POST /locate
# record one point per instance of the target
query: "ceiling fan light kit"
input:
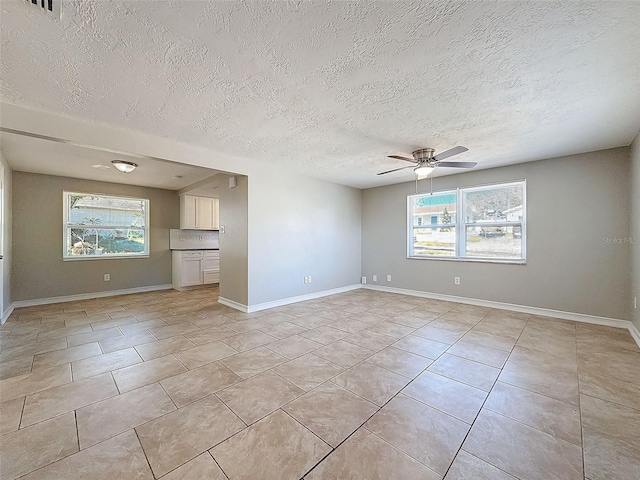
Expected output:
(424, 161)
(124, 166)
(423, 171)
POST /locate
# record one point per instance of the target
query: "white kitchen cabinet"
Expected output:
(211, 260)
(194, 267)
(211, 267)
(186, 268)
(210, 276)
(199, 213)
(188, 210)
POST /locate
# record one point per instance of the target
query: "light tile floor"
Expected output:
(361, 385)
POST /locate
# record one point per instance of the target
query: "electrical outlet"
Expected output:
(388, 278)
(363, 280)
(107, 277)
(456, 280)
(375, 278)
(221, 230)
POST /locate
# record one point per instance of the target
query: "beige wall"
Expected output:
(233, 242)
(299, 226)
(635, 229)
(573, 204)
(280, 250)
(6, 237)
(38, 269)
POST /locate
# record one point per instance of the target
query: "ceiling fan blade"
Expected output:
(397, 157)
(395, 170)
(456, 164)
(450, 153)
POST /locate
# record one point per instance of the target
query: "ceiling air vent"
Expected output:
(50, 6)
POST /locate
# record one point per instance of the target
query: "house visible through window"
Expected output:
(478, 223)
(103, 226)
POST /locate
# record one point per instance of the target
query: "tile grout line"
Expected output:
(530, 426)
(611, 401)
(62, 458)
(402, 451)
(542, 394)
(142, 448)
(114, 380)
(400, 392)
(331, 448)
(24, 403)
(494, 466)
(215, 394)
(219, 466)
(75, 420)
(482, 406)
(381, 407)
(304, 426)
(365, 360)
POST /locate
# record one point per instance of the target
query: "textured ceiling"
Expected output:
(331, 88)
(37, 155)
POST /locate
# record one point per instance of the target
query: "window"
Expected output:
(479, 223)
(103, 226)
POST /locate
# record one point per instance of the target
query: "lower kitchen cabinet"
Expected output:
(211, 267)
(194, 267)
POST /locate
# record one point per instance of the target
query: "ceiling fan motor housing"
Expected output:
(423, 155)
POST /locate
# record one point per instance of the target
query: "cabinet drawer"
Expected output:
(192, 255)
(211, 260)
(211, 264)
(211, 276)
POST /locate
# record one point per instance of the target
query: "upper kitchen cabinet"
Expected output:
(199, 213)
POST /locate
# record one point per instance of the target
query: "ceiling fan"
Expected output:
(425, 161)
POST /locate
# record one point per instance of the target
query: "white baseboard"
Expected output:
(230, 303)
(88, 296)
(286, 301)
(6, 314)
(635, 333)
(545, 312)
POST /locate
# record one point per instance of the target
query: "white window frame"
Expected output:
(461, 225)
(67, 227)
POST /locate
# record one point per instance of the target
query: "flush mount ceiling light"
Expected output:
(123, 166)
(423, 170)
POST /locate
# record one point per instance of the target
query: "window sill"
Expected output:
(470, 260)
(102, 257)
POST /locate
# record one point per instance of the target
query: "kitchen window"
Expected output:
(484, 223)
(100, 226)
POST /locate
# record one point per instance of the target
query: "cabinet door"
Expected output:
(216, 213)
(191, 271)
(205, 213)
(188, 214)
